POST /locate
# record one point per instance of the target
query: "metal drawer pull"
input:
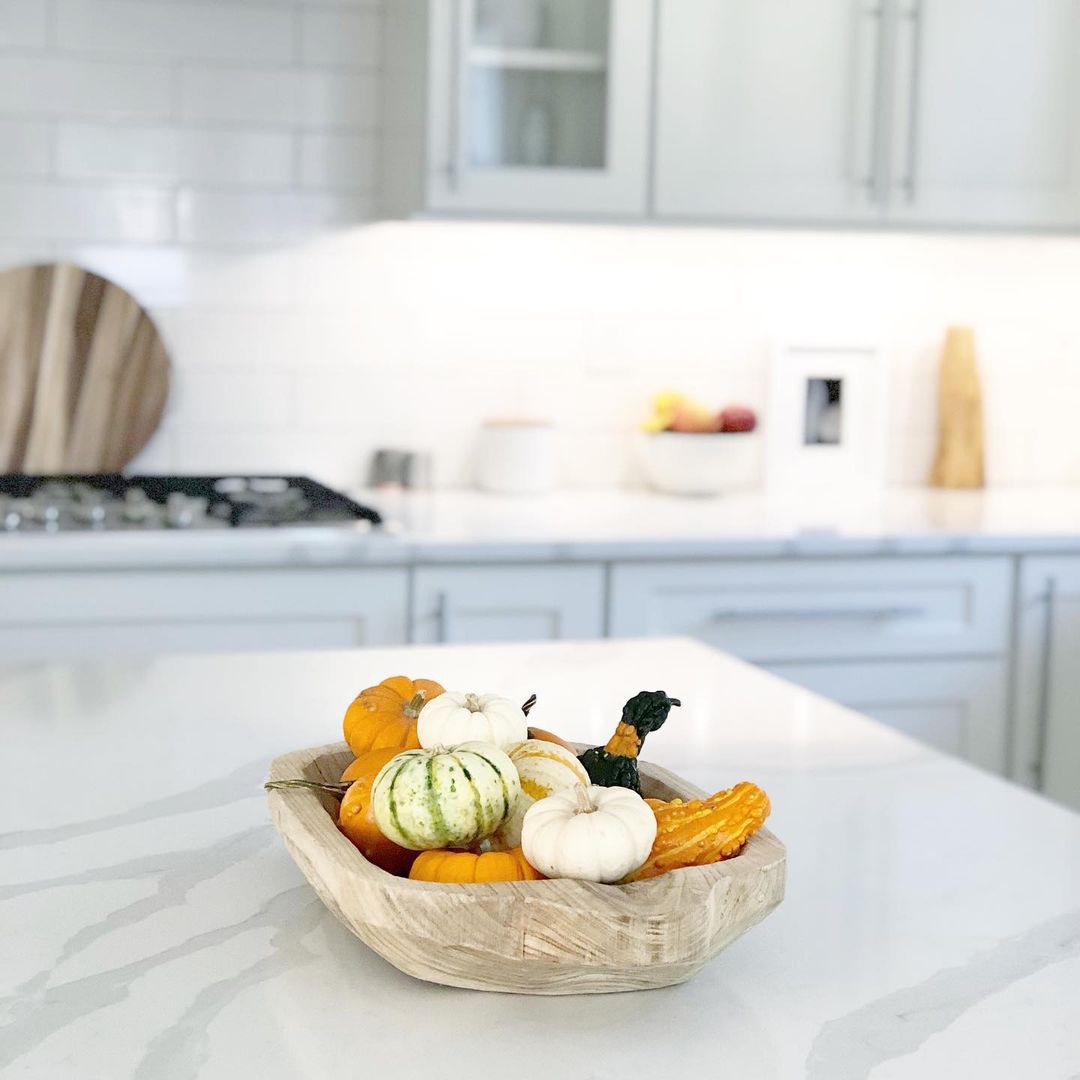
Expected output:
(880, 614)
(1042, 717)
(442, 618)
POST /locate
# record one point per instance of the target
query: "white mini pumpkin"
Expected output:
(543, 768)
(589, 833)
(429, 799)
(454, 718)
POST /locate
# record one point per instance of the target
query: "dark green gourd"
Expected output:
(615, 763)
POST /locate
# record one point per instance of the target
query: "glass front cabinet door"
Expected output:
(539, 106)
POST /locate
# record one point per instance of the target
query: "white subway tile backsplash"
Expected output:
(222, 31)
(341, 36)
(24, 23)
(25, 148)
(229, 398)
(135, 215)
(338, 161)
(159, 455)
(35, 251)
(218, 158)
(215, 217)
(184, 155)
(308, 99)
(64, 86)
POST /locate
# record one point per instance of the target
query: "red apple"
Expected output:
(737, 418)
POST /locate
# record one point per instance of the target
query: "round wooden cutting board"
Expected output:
(83, 372)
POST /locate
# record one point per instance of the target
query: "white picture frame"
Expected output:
(826, 423)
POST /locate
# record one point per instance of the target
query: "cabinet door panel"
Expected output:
(507, 603)
(985, 114)
(1046, 684)
(958, 706)
(540, 115)
(771, 611)
(44, 615)
(767, 109)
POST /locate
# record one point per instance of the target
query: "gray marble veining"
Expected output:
(152, 925)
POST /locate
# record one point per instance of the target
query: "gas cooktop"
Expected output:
(114, 502)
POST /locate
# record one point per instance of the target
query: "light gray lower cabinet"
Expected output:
(958, 706)
(1046, 683)
(507, 603)
(920, 643)
(787, 610)
(72, 614)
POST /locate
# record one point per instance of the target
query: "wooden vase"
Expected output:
(960, 459)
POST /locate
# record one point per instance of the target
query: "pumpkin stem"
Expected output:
(584, 803)
(412, 710)
(311, 785)
(472, 703)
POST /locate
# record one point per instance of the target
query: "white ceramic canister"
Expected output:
(516, 457)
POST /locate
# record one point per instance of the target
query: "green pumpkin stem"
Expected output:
(412, 710)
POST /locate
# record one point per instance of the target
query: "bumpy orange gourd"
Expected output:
(465, 867)
(385, 715)
(357, 820)
(704, 830)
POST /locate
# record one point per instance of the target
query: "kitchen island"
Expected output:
(152, 925)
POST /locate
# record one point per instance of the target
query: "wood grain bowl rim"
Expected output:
(649, 898)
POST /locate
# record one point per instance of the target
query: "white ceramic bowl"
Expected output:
(683, 464)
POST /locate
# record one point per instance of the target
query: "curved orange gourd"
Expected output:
(547, 736)
(704, 830)
(465, 867)
(385, 715)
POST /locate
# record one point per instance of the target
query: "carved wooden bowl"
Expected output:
(527, 937)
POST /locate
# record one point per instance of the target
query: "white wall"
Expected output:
(217, 158)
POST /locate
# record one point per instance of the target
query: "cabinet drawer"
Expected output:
(820, 609)
(507, 603)
(82, 613)
(958, 706)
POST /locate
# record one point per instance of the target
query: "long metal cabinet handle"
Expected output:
(874, 180)
(1042, 719)
(913, 16)
(881, 613)
(457, 97)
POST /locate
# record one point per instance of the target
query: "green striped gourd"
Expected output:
(444, 798)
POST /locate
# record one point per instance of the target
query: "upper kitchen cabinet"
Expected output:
(517, 106)
(770, 110)
(984, 121)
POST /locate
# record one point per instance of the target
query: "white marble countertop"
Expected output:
(470, 526)
(153, 926)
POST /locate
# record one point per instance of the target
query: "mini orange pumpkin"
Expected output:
(357, 821)
(547, 736)
(385, 715)
(466, 867)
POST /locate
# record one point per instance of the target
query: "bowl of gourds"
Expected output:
(468, 848)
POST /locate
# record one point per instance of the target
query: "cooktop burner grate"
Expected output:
(112, 501)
